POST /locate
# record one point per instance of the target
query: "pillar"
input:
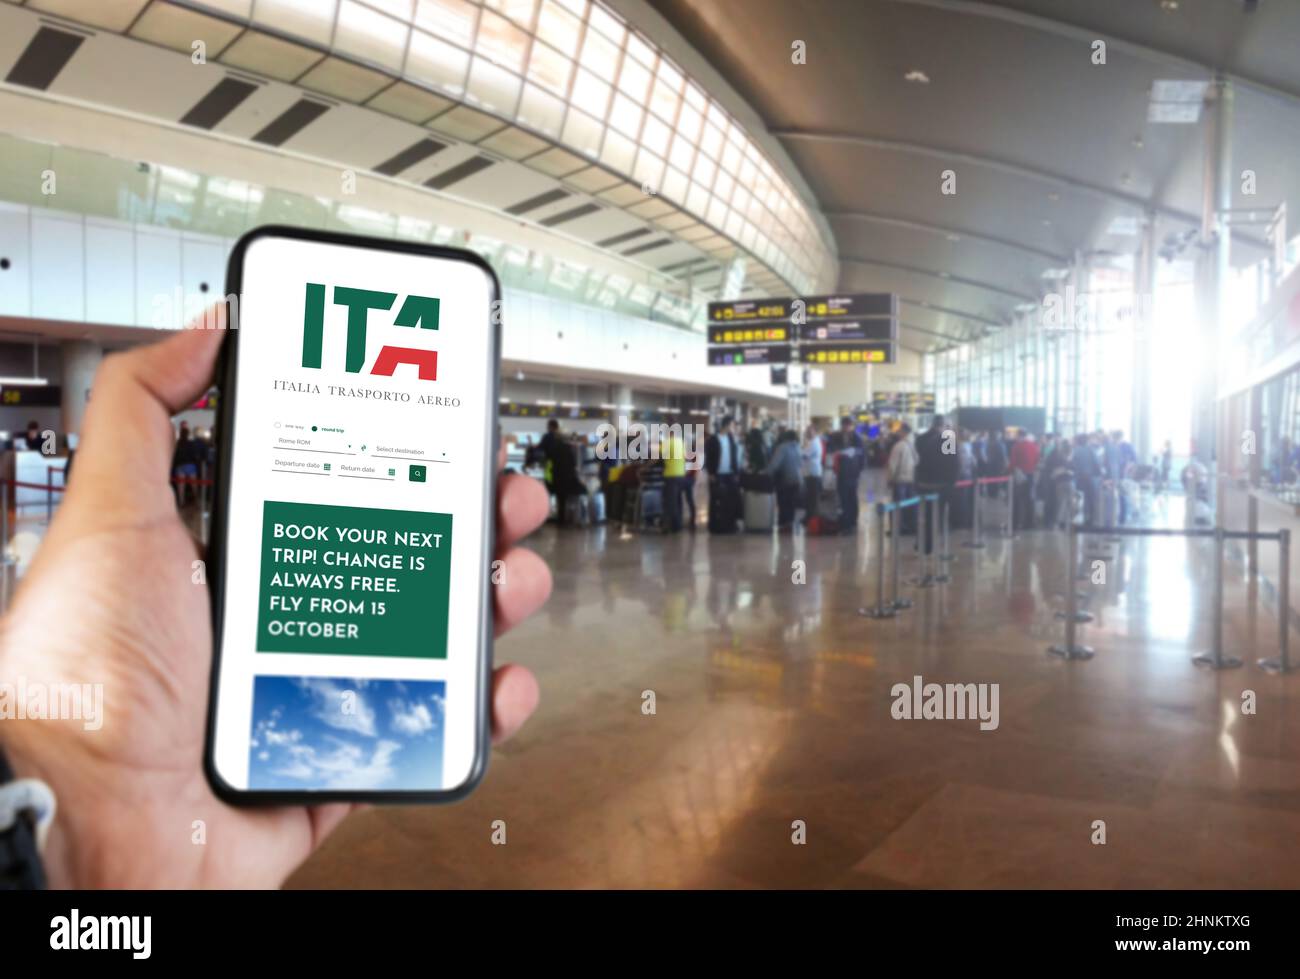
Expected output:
(1144, 293)
(1213, 264)
(81, 358)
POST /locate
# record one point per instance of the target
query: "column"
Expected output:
(1212, 269)
(1144, 289)
(81, 358)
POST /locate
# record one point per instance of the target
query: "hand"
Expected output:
(109, 598)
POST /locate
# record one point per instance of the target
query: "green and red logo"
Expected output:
(418, 312)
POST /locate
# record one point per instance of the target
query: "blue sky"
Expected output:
(337, 733)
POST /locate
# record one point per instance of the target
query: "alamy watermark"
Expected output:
(923, 701)
(641, 442)
(36, 701)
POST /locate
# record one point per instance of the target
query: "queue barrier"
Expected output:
(7, 486)
(1214, 658)
(883, 609)
(976, 538)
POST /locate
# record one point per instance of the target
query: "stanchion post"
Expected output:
(976, 539)
(897, 601)
(937, 573)
(945, 509)
(881, 610)
(1282, 664)
(1215, 658)
(925, 531)
(49, 495)
(1071, 648)
(1072, 615)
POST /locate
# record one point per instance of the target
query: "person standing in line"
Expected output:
(722, 461)
(784, 468)
(812, 454)
(673, 452)
(1023, 463)
(1087, 476)
(690, 450)
(902, 477)
(936, 470)
(849, 455)
(1128, 461)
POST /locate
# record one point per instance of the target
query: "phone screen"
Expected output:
(353, 578)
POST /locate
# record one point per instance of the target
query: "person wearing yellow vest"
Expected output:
(673, 453)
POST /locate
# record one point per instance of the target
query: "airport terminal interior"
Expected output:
(976, 324)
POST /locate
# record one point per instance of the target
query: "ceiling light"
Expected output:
(1169, 5)
(954, 237)
(1046, 223)
(34, 381)
(1055, 275)
(917, 77)
(1053, 196)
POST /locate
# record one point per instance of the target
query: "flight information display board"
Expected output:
(734, 336)
(860, 352)
(904, 402)
(850, 306)
(837, 331)
(751, 311)
(845, 328)
(768, 353)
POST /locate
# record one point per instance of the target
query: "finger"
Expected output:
(325, 819)
(523, 584)
(514, 698)
(128, 422)
(522, 506)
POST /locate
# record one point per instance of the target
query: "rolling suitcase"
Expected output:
(759, 511)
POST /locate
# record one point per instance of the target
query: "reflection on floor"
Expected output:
(773, 705)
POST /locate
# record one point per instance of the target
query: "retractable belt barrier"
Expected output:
(976, 539)
(50, 488)
(888, 609)
(1215, 658)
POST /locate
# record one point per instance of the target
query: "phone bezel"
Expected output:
(224, 434)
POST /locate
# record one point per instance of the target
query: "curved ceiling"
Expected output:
(1049, 149)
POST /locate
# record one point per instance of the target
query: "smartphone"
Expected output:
(351, 539)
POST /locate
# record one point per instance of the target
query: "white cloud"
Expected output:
(331, 706)
(411, 719)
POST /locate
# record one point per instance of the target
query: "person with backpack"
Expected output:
(785, 470)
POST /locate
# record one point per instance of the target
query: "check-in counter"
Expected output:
(25, 466)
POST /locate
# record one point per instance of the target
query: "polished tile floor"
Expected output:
(773, 705)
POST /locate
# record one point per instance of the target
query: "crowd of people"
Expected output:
(815, 476)
(1101, 466)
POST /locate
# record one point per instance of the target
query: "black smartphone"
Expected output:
(352, 536)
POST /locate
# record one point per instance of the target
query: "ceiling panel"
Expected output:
(465, 123)
(408, 102)
(113, 15)
(179, 29)
(270, 56)
(344, 80)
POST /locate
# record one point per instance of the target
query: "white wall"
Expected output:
(64, 266)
